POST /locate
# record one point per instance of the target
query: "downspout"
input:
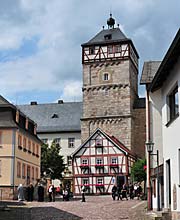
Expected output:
(148, 139)
(13, 160)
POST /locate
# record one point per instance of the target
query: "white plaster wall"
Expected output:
(171, 140)
(65, 151)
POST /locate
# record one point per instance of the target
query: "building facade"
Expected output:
(58, 122)
(164, 124)
(20, 150)
(112, 107)
(100, 162)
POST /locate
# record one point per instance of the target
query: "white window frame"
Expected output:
(84, 161)
(100, 181)
(99, 161)
(71, 142)
(114, 160)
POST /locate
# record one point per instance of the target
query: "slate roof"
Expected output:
(54, 117)
(149, 70)
(116, 36)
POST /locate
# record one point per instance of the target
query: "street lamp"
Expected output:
(149, 147)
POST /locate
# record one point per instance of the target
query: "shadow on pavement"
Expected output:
(36, 213)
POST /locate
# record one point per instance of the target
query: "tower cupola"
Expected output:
(111, 22)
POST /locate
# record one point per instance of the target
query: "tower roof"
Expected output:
(107, 36)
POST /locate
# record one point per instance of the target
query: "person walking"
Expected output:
(40, 193)
(124, 191)
(83, 189)
(114, 191)
(50, 193)
(53, 193)
(20, 190)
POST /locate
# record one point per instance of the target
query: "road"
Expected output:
(95, 208)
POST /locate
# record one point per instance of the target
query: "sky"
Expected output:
(40, 42)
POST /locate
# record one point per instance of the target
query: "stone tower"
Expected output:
(110, 85)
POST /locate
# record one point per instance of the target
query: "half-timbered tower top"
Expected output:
(115, 39)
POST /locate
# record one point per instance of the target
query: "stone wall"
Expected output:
(119, 127)
(139, 132)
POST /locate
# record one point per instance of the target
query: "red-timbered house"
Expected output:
(100, 162)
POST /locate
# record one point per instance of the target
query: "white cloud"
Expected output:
(62, 26)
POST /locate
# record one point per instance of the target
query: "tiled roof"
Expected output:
(149, 70)
(116, 35)
(55, 117)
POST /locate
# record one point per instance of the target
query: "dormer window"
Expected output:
(55, 116)
(92, 50)
(108, 37)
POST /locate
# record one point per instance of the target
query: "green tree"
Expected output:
(138, 172)
(52, 162)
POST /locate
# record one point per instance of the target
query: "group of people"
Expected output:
(28, 192)
(125, 190)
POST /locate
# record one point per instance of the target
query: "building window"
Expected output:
(106, 77)
(37, 173)
(18, 169)
(37, 150)
(69, 161)
(85, 181)
(108, 36)
(113, 160)
(173, 103)
(29, 146)
(32, 173)
(99, 180)
(71, 142)
(0, 168)
(110, 49)
(23, 171)
(117, 49)
(24, 142)
(84, 161)
(19, 140)
(27, 124)
(57, 141)
(92, 50)
(44, 140)
(99, 161)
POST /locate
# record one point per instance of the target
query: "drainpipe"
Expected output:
(13, 160)
(148, 136)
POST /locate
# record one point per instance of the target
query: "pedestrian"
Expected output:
(119, 188)
(30, 192)
(20, 190)
(40, 193)
(50, 193)
(124, 191)
(139, 191)
(114, 191)
(131, 191)
(53, 193)
(83, 189)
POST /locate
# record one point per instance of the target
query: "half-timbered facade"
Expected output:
(100, 162)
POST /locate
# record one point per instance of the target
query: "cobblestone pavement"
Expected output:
(95, 208)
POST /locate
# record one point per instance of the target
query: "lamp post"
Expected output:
(149, 147)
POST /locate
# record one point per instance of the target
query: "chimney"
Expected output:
(60, 101)
(33, 103)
